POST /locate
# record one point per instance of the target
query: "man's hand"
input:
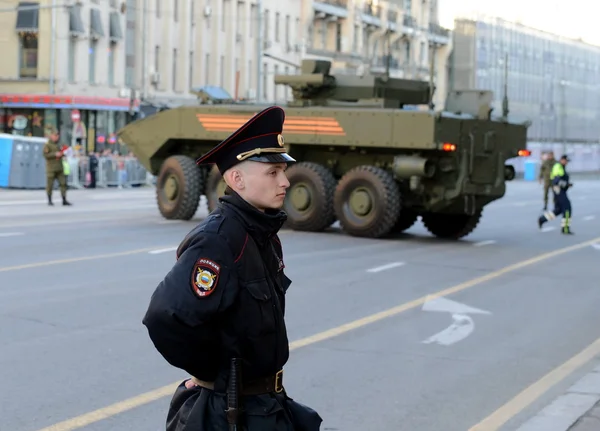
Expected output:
(59, 154)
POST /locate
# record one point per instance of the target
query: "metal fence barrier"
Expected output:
(111, 172)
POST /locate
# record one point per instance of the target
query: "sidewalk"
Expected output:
(588, 422)
(578, 409)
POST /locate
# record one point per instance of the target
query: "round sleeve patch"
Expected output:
(205, 277)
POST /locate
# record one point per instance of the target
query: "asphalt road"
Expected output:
(75, 283)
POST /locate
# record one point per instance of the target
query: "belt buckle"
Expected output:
(279, 381)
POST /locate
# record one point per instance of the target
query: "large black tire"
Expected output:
(215, 188)
(451, 226)
(178, 188)
(405, 221)
(367, 202)
(309, 199)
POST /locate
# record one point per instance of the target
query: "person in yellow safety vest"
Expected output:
(562, 204)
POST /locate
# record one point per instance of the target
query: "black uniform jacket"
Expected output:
(224, 298)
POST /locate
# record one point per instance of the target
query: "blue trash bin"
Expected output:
(530, 168)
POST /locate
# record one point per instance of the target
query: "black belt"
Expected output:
(263, 385)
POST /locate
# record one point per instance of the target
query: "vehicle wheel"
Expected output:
(405, 221)
(178, 188)
(367, 202)
(309, 199)
(215, 188)
(451, 226)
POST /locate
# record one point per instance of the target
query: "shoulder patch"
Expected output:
(205, 277)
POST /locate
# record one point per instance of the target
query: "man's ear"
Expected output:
(235, 179)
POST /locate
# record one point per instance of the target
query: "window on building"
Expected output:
(92, 61)
(222, 71)
(191, 71)
(277, 18)
(72, 58)
(174, 71)
(175, 10)
(265, 80)
(156, 62)
(157, 7)
(28, 55)
(207, 70)
(112, 53)
(275, 86)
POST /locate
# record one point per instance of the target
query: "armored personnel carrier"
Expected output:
(371, 153)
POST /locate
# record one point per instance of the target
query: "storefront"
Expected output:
(88, 124)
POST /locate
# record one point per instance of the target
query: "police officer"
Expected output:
(548, 162)
(224, 297)
(54, 166)
(562, 203)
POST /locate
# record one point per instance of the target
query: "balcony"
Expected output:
(335, 56)
(371, 14)
(438, 34)
(333, 8)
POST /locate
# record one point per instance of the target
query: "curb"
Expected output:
(578, 409)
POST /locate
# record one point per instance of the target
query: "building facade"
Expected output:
(88, 66)
(552, 81)
(62, 67)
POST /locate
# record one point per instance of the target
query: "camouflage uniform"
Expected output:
(545, 171)
(54, 168)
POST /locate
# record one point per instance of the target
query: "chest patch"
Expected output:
(205, 277)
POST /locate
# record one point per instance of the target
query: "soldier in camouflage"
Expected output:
(54, 167)
(546, 169)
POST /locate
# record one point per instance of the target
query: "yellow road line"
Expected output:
(140, 400)
(516, 405)
(78, 259)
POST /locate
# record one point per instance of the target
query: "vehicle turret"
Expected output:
(316, 86)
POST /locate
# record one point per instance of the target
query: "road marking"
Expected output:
(162, 250)
(461, 328)
(533, 392)
(521, 204)
(128, 404)
(24, 202)
(548, 228)
(482, 243)
(596, 246)
(588, 218)
(7, 234)
(463, 325)
(75, 259)
(445, 305)
(169, 221)
(385, 267)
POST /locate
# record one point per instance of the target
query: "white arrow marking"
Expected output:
(441, 304)
(588, 218)
(462, 327)
(548, 228)
(596, 246)
(384, 267)
(482, 243)
(162, 250)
